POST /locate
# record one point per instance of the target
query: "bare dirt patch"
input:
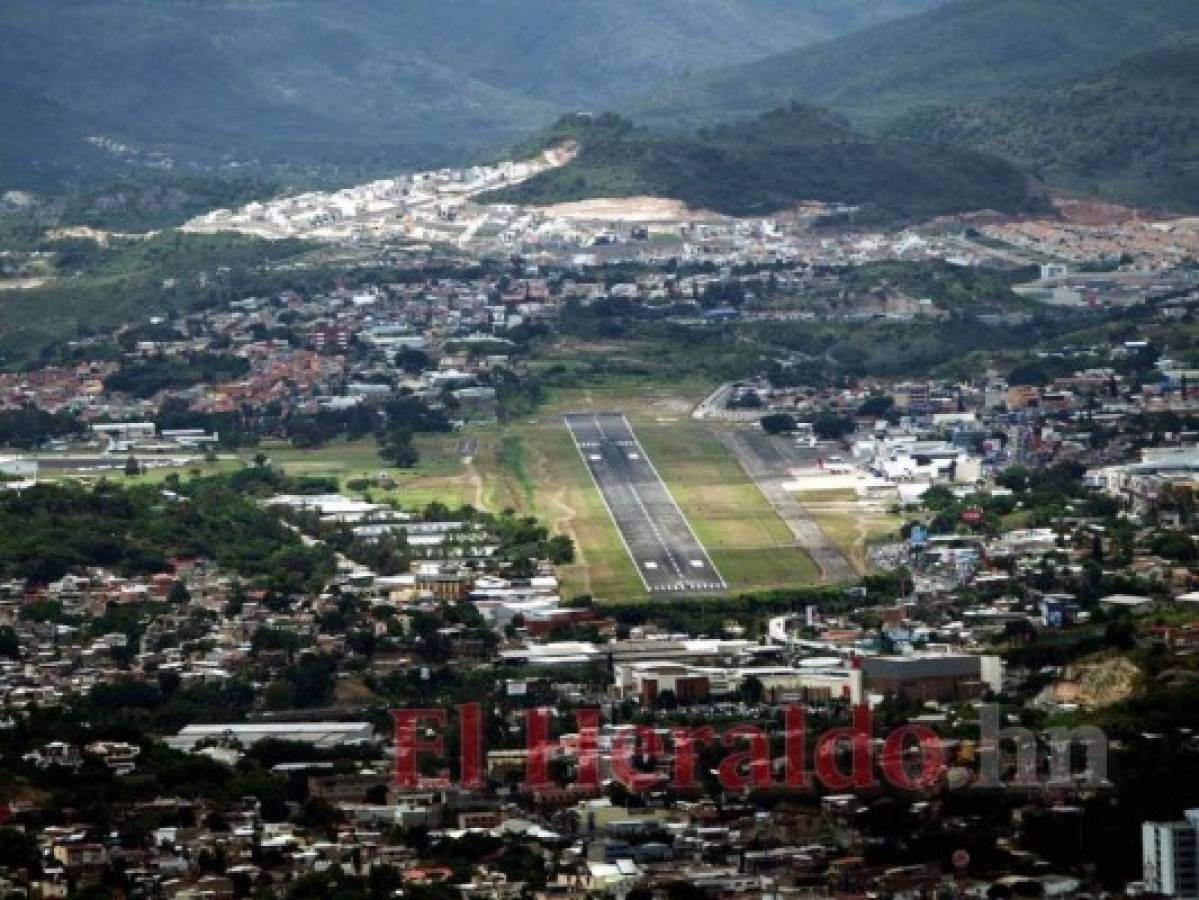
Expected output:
(626, 209)
(1096, 684)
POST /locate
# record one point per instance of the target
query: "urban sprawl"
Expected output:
(200, 672)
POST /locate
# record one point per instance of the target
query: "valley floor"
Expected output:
(532, 466)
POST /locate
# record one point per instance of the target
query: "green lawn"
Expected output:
(748, 570)
(531, 467)
(751, 546)
(851, 524)
(148, 476)
(630, 394)
(535, 469)
(439, 475)
(336, 459)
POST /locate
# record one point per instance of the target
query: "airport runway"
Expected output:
(768, 460)
(664, 549)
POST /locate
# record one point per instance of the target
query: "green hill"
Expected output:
(354, 82)
(45, 143)
(1130, 134)
(965, 51)
(96, 288)
(772, 162)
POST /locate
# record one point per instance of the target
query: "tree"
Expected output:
(318, 813)
(746, 400)
(939, 498)
(1175, 545)
(169, 681)
(1121, 634)
(876, 406)
(397, 449)
(29, 427)
(1178, 499)
(412, 361)
(19, 850)
(777, 423)
(684, 890)
(132, 467)
(10, 644)
(179, 594)
(561, 550)
(1032, 374)
(752, 689)
(832, 427)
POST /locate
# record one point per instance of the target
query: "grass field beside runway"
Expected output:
(662, 543)
(532, 466)
(541, 474)
(439, 475)
(750, 545)
(638, 399)
(755, 570)
(850, 523)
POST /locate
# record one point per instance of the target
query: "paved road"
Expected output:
(715, 406)
(115, 461)
(664, 549)
(768, 461)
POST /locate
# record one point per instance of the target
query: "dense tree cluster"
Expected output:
(29, 427)
(52, 529)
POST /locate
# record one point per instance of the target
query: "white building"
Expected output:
(1170, 855)
(325, 735)
(1126, 603)
(903, 459)
(333, 507)
(122, 434)
(18, 468)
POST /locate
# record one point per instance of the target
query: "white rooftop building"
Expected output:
(1170, 855)
(323, 735)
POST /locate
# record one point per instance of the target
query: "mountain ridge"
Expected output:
(964, 51)
(368, 82)
(773, 162)
(1128, 134)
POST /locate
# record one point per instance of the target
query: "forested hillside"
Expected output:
(1130, 134)
(355, 83)
(772, 162)
(964, 51)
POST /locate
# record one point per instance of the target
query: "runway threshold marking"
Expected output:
(670, 555)
(682, 584)
(604, 500)
(649, 460)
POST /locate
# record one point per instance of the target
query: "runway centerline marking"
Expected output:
(649, 461)
(667, 555)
